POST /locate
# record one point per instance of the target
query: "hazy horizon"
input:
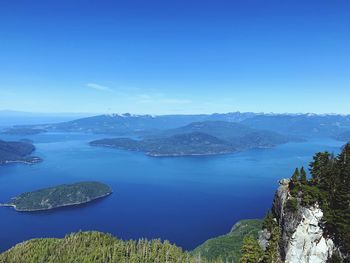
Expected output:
(15, 112)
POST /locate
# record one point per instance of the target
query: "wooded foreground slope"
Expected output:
(96, 247)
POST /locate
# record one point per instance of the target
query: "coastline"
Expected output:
(51, 208)
(150, 154)
(33, 160)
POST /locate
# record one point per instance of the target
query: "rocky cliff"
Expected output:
(302, 235)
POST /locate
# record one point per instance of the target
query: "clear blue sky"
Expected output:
(175, 56)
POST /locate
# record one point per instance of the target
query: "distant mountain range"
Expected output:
(199, 138)
(305, 125)
(302, 124)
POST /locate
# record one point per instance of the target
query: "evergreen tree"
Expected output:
(341, 202)
(269, 221)
(251, 251)
(303, 178)
(271, 254)
(294, 182)
(295, 176)
(319, 169)
(331, 181)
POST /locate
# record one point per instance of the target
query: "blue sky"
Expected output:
(175, 56)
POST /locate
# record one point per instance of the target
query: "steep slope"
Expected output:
(310, 218)
(303, 236)
(227, 247)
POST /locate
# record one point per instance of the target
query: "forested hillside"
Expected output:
(227, 247)
(96, 247)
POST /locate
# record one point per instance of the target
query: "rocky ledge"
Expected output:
(302, 238)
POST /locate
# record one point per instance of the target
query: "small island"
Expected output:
(59, 196)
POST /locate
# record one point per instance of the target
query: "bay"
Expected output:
(185, 199)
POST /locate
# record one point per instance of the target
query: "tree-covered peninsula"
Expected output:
(17, 152)
(59, 196)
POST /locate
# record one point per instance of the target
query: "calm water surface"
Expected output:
(185, 200)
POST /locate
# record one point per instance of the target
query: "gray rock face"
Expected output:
(302, 236)
(307, 243)
(263, 238)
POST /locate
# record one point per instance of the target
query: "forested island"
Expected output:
(178, 145)
(17, 152)
(59, 196)
(199, 138)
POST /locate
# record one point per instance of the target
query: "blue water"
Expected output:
(185, 200)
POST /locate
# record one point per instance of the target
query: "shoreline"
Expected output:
(29, 162)
(46, 209)
(160, 155)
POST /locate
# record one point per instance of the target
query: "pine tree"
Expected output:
(319, 168)
(295, 176)
(341, 202)
(271, 254)
(251, 251)
(303, 178)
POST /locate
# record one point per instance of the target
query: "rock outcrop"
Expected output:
(303, 238)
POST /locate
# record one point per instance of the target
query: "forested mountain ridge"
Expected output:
(127, 124)
(325, 125)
